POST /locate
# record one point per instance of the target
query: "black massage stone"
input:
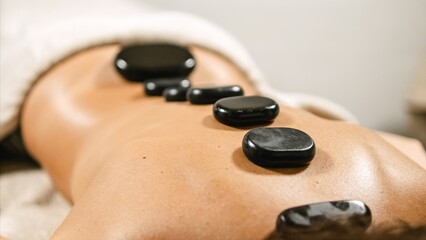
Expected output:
(175, 94)
(141, 62)
(156, 87)
(209, 95)
(278, 147)
(351, 215)
(243, 111)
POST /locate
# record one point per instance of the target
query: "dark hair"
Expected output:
(397, 231)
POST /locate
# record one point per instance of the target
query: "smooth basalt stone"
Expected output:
(156, 88)
(243, 111)
(175, 94)
(278, 147)
(209, 95)
(142, 62)
(351, 215)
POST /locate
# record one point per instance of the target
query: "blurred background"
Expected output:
(361, 54)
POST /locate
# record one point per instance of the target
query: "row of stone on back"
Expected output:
(164, 68)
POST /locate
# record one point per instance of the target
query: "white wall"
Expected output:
(362, 54)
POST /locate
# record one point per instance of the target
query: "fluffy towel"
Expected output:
(30, 208)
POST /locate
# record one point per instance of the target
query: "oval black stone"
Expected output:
(175, 94)
(243, 111)
(142, 62)
(209, 95)
(278, 147)
(156, 88)
(348, 215)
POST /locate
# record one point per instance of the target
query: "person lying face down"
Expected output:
(138, 167)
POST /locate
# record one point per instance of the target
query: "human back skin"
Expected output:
(137, 167)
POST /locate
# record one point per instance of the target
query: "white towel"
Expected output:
(30, 208)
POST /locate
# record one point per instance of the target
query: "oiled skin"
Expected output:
(136, 167)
